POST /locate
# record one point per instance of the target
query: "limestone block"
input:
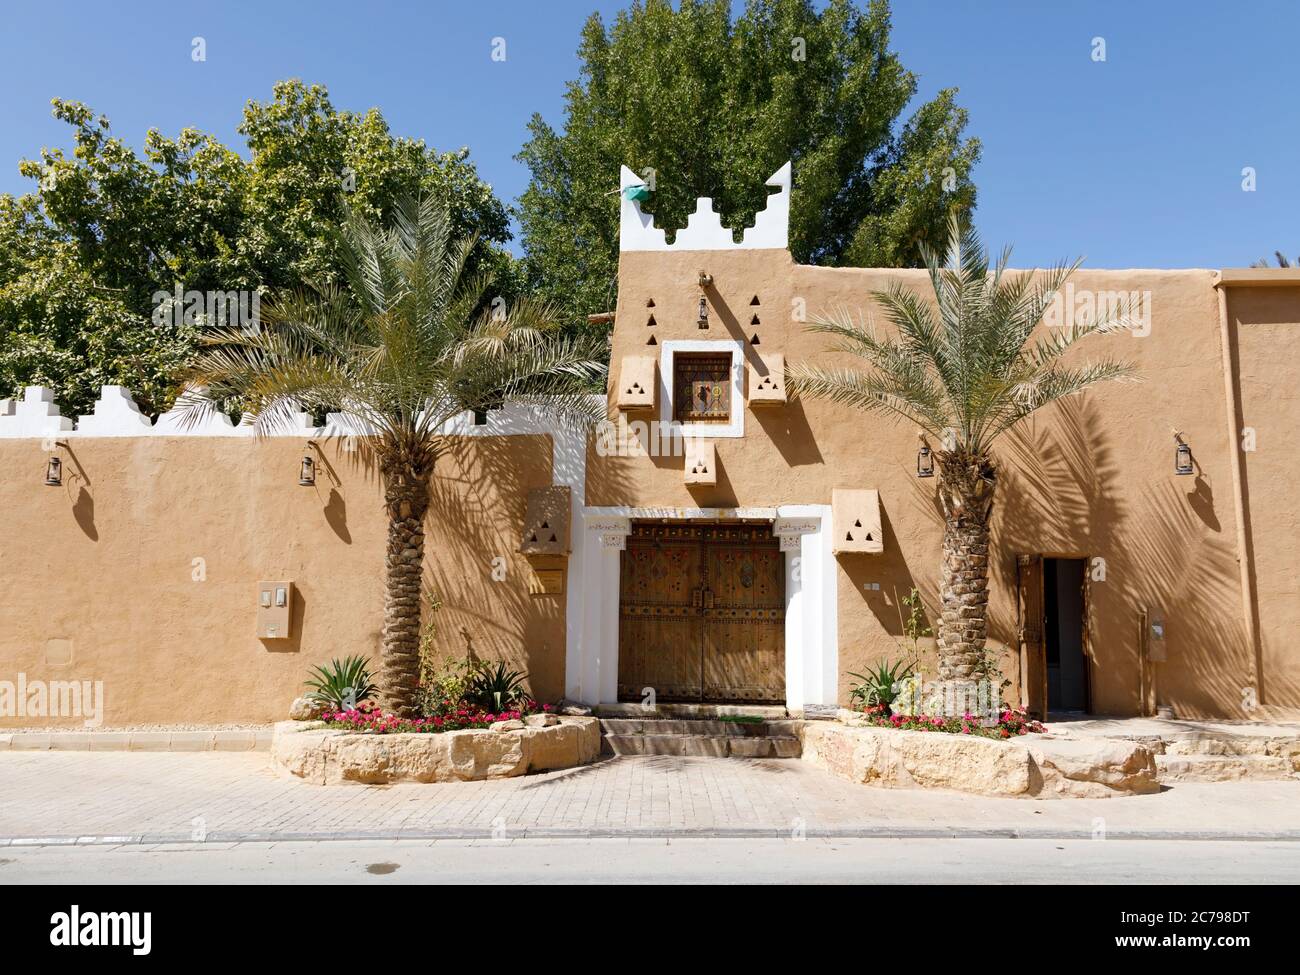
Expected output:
(1037, 766)
(325, 756)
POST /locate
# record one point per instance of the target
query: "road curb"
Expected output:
(554, 833)
(137, 741)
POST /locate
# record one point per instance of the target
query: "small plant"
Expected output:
(341, 685)
(496, 687)
(914, 627)
(444, 685)
(878, 688)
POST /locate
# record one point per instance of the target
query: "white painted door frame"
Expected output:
(811, 623)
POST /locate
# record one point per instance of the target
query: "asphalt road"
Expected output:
(661, 861)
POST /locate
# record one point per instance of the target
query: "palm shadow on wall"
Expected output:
(480, 494)
(1062, 492)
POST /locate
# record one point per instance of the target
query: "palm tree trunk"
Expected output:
(966, 488)
(406, 499)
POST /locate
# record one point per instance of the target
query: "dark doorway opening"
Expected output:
(1064, 635)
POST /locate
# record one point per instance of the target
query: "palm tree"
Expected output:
(1281, 260)
(409, 343)
(965, 371)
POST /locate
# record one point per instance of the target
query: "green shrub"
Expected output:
(878, 688)
(496, 688)
(444, 685)
(341, 685)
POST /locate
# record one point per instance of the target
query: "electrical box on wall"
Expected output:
(1156, 637)
(274, 610)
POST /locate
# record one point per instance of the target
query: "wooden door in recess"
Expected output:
(1029, 631)
(702, 613)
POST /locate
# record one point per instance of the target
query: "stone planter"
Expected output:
(1030, 766)
(327, 756)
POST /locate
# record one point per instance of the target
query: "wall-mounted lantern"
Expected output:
(705, 281)
(54, 471)
(307, 473)
(924, 460)
(1182, 456)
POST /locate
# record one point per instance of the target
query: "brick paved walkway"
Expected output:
(236, 795)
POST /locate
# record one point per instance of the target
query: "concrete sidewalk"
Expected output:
(214, 797)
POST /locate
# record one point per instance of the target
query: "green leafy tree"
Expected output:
(704, 105)
(82, 257)
(402, 347)
(965, 370)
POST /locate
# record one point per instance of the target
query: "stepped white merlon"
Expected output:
(35, 415)
(704, 230)
(115, 415)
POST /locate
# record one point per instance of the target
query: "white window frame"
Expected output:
(735, 425)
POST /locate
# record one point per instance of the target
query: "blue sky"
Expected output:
(1132, 162)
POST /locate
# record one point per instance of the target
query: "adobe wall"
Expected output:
(1093, 477)
(148, 556)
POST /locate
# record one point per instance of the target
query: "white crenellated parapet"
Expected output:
(35, 415)
(115, 415)
(184, 419)
(704, 230)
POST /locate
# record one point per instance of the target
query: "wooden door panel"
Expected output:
(1033, 650)
(659, 625)
(702, 613)
(744, 628)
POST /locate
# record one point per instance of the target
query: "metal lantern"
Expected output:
(703, 317)
(54, 472)
(1183, 459)
(307, 475)
(924, 462)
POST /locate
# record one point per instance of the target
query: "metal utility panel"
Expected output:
(274, 610)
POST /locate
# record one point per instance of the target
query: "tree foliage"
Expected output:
(713, 106)
(106, 228)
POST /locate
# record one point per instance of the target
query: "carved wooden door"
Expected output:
(744, 615)
(660, 622)
(1030, 623)
(702, 614)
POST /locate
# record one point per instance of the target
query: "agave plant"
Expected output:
(965, 369)
(496, 687)
(880, 686)
(340, 685)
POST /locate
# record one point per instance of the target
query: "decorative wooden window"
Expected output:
(702, 387)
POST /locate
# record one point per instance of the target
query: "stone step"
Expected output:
(1221, 768)
(1220, 744)
(703, 746)
(786, 728)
